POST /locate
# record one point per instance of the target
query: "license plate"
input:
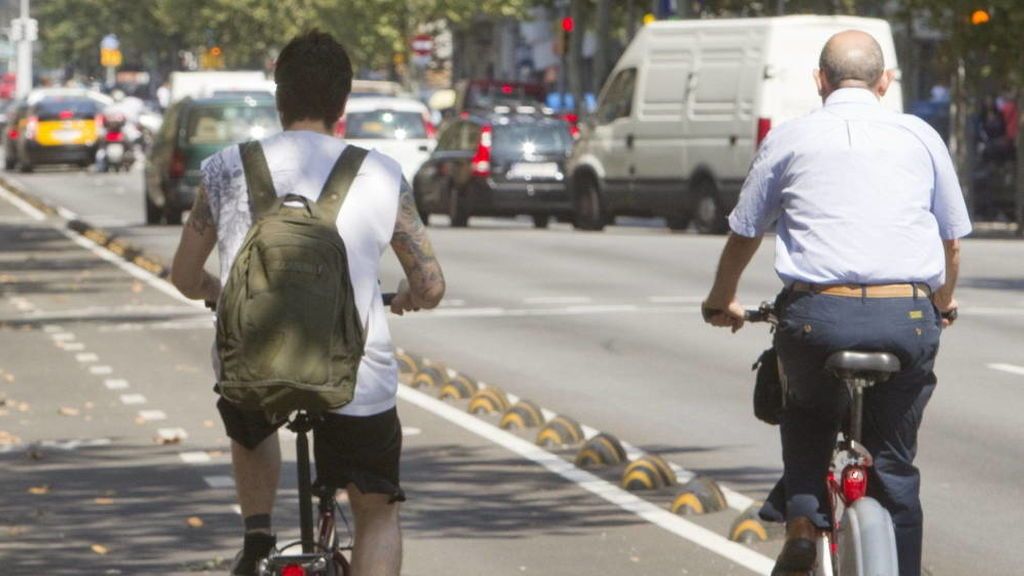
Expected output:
(528, 170)
(115, 151)
(67, 135)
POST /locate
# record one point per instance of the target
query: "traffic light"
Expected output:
(568, 24)
(980, 16)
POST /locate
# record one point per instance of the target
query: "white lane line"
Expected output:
(602, 309)
(52, 329)
(411, 431)
(171, 435)
(219, 481)
(662, 518)
(558, 300)
(1008, 368)
(236, 509)
(66, 214)
(21, 304)
(71, 346)
(152, 415)
(101, 370)
(86, 357)
(675, 299)
(132, 399)
(30, 210)
(115, 384)
(62, 336)
(194, 457)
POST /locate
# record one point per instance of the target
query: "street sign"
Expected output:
(110, 57)
(110, 42)
(423, 45)
(24, 29)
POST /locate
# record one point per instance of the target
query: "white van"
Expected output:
(684, 110)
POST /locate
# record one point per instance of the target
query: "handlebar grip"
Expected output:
(754, 315)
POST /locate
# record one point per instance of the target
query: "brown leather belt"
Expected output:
(906, 290)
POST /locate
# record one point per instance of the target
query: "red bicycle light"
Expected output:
(293, 570)
(855, 484)
(764, 126)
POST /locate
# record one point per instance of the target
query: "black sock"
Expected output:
(257, 523)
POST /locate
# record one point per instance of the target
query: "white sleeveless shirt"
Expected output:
(300, 163)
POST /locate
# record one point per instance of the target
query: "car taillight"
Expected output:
(66, 115)
(764, 125)
(481, 162)
(114, 136)
(429, 128)
(293, 570)
(339, 128)
(855, 484)
(31, 125)
(177, 169)
(99, 122)
(574, 124)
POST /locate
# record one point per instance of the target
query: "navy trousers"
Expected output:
(811, 327)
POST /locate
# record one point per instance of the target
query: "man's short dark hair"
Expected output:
(862, 63)
(314, 78)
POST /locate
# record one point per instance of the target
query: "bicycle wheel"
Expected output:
(867, 541)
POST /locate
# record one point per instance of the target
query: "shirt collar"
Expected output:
(851, 96)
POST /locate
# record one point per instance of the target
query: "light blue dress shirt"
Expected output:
(861, 195)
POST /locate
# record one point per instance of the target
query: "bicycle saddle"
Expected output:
(850, 362)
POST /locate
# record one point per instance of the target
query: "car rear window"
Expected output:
(492, 95)
(385, 124)
(66, 109)
(230, 124)
(518, 140)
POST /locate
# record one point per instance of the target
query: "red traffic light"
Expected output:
(568, 24)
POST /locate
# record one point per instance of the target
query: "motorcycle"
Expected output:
(117, 150)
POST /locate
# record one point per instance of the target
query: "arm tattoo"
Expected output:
(413, 247)
(201, 217)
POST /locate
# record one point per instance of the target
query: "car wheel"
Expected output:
(153, 213)
(457, 210)
(678, 222)
(25, 166)
(587, 204)
(708, 217)
(540, 221)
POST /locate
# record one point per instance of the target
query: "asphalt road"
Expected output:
(605, 328)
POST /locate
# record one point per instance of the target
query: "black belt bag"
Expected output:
(769, 396)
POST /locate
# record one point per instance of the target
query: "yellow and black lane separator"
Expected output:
(649, 472)
(490, 400)
(430, 376)
(458, 387)
(560, 431)
(748, 527)
(408, 364)
(600, 451)
(701, 495)
(119, 247)
(524, 414)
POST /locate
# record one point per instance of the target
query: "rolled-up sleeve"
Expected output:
(760, 202)
(948, 205)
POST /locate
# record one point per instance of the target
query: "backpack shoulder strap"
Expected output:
(258, 181)
(338, 183)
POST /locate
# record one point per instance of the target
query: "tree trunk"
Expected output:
(576, 55)
(601, 56)
(959, 147)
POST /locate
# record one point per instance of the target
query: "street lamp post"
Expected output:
(24, 30)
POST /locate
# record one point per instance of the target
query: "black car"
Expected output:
(497, 165)
(14, 115)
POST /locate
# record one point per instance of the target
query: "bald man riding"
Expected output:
(868, 213)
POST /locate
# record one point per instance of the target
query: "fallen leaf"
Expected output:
(89, 405)
(137, 286)
(16, 530)
(214, 453)
(23, 407)
(39, 490)
(9, 377)
(195, 522)
(100, 549)
(67, 411)
(7, 439)
(208, 423)
(104, 501)
(140, 420)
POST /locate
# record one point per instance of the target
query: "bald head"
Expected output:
(852, 59)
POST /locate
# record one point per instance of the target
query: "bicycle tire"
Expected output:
(867, 541)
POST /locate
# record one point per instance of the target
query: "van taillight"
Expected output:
(481, 162)
(339, 128)
(429, 128)
(764, 125)
(177, 169)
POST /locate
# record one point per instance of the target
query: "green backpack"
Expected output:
(289, 336)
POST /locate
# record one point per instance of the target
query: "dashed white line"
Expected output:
(1008, 368)
(132, 399)
(115, 384)
(219, 481)
(152, 415)
(194, 457)
(71, 346)
(558, 300)
(602, 309)
(101, 370)
(62, 336)
(52, 329)
(675, 299)
(86, 357)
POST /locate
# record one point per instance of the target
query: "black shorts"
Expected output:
(360, 450)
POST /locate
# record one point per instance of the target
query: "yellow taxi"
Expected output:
(59, 128)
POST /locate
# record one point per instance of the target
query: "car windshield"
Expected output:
(228, 124)
(525, 140)
(385, 124)
(59, 108)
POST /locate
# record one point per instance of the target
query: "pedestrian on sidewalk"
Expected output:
(357, 447)
(868, 211)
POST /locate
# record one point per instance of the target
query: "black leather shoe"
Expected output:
(257, 547)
